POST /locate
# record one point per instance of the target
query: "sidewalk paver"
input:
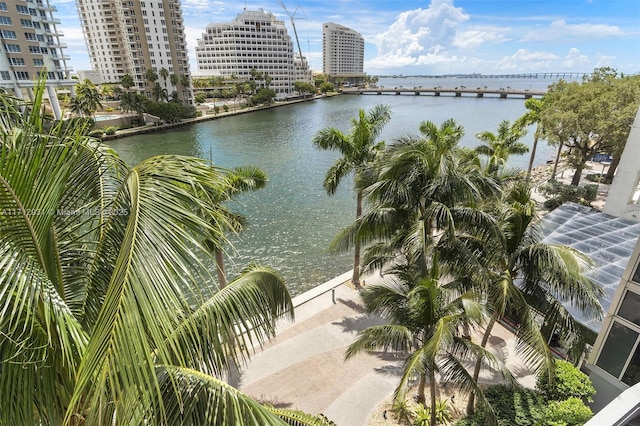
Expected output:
(304, 367)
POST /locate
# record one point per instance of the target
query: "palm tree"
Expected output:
(185, 81)
(78, 107)
(159, 93)
(423, 321)
(102, 272)
(117, 92)
(106, 90)
(499, 147)
(127, 81)
(240, 180)
(517, 271)
(134, 102)
(532, 116)
(151, 75)
(174, 79)
(358, 149)
(424, 189)
(90, 96)
(164, 73)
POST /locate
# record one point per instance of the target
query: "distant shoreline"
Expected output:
(205, 117)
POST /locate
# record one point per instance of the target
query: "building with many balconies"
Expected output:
(254, 42)
(342, 53)
(136, 37)
(30, 46)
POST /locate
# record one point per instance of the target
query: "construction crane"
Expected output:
(295, 32)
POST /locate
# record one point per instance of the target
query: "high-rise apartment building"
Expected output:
(342, 52)
(133, 37)
(254, 40)
(30, 46)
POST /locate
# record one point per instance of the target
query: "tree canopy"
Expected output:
(264, 96)
(592, 117)
(304, 88)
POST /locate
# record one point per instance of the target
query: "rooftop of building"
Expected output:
(608, 240)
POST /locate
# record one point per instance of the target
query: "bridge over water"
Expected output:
(437, 91)
(532, 75)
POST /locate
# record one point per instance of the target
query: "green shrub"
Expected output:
(423, 414)
(401, 411)
(590, 192)
(110, 130)
(225, 107)
(513, 406)
(558, 193)
(568, 382)
(597, 177)
(570, 412)
(170, 112)
(326, 87)
(552, 203)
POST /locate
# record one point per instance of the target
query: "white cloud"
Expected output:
(527, 60)
(389, 61)
(560, 29)
(418, 36)
(199, 5)
(475, 38)
(574, 58)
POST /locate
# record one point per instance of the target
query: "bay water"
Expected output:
(292, 221)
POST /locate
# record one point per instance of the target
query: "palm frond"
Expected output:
(190, 397)
(234, 321)
(298, 418)
(454, 371)
(416, 364)
(338, 171)
(332, 139)
(158, 236)
(388, 337)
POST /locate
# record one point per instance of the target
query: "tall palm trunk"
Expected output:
(222, 278)
(432, 388)
(355, 279)
(422, 383)
(425, 240)
(476, 370)
(532, 157)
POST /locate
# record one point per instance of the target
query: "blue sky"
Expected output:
(438, 36)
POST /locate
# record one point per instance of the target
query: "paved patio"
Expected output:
(304, 367)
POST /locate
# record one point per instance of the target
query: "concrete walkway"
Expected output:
(304, 367)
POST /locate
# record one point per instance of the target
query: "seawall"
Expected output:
(150, 128)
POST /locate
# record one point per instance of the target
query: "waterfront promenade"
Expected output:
(435, 91)
(304, 368)
(151, 128)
